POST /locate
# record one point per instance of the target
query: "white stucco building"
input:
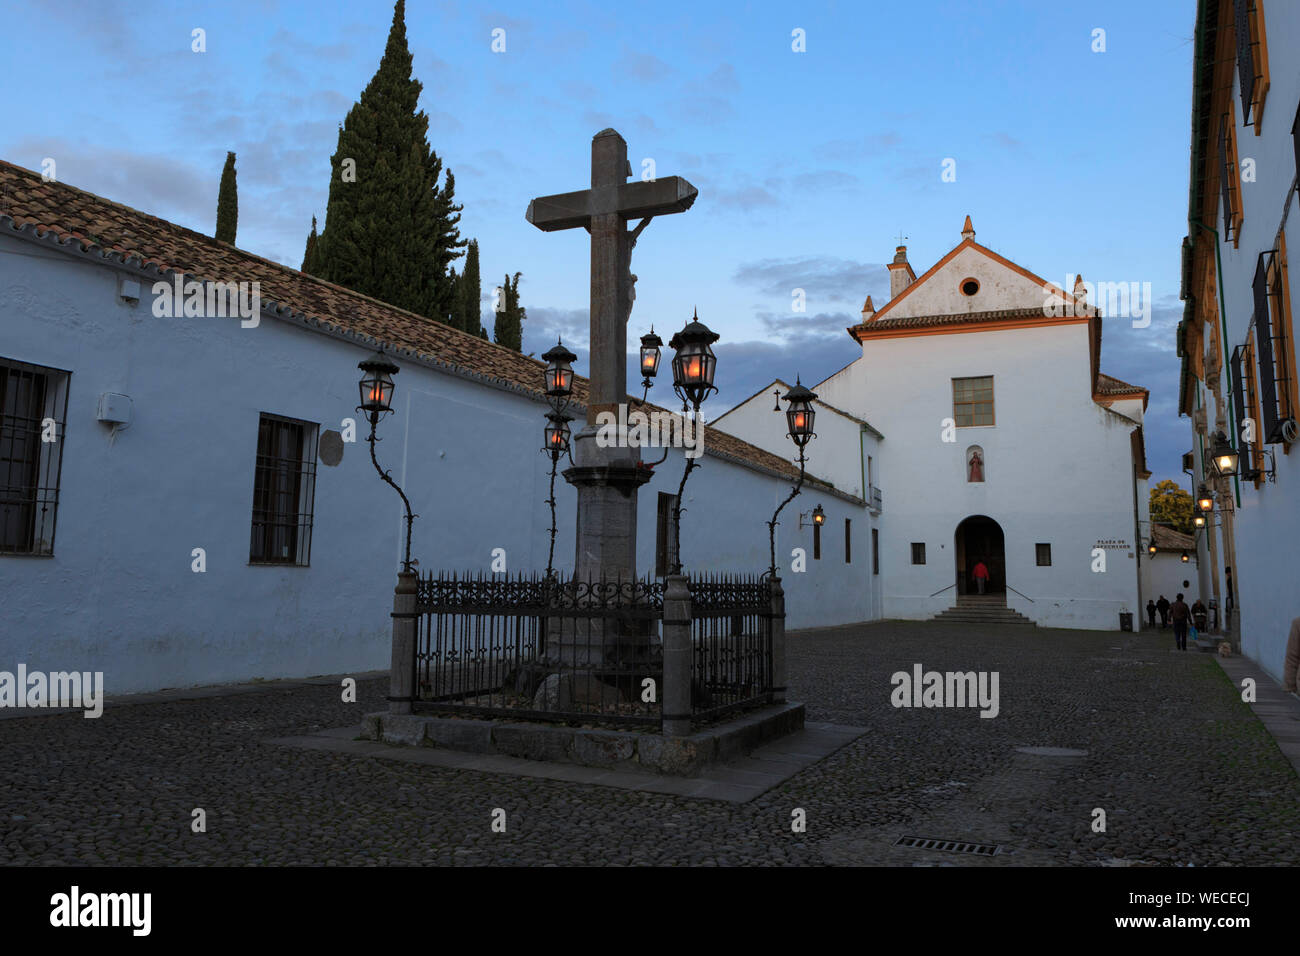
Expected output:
(197, 514)
(995, 436)
(1237, 337)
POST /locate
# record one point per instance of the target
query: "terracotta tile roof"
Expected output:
(1110, 385)
(1167, 539)
(137, 238)
(957, 318)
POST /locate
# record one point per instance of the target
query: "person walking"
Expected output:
(981, 573)
(1291, 669)
(1151, 613)
(1180, 614)
(1163, 607)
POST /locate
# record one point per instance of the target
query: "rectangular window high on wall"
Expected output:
(848, 540)
(1252, 59)
(664, 534)
(1043, 555)
(1277, 378)
(284, 491)
(1229, 173)
(918, 552)
(972, 401)
(33, 409)
(875, 551)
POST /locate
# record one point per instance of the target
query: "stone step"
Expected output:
(972, 613)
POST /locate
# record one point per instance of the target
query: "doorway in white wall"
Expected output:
(979, 539)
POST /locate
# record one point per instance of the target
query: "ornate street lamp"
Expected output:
(1198, 521)
(693, 368)
(556, 443)
(1185, 557)
(1204, 499)
(694, 363)
(559, 376)
(376, 388)
(819, 516)
(1226, 458)
(650, 354)
(799, 415)
(1151, 549)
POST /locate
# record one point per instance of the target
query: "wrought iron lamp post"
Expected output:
(559, 391)
(557, 444)
(1204, 499)
(799, 416)
(693, 368)
(376, 389)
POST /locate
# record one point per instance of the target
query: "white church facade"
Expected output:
(997, 439)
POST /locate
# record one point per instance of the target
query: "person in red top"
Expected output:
(981, 574)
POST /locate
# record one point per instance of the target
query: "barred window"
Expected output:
(664, 534)
(918, 552)
(1043, 555)
(284, 491)
(972, 401)
(1252, 59)
(875, 551)
(33, 410)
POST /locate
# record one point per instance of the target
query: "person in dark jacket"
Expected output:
(1151, 613)
(1163, 607)
(1181, 615)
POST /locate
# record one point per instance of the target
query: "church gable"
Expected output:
(970, 279)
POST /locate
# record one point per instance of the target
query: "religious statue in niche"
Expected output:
(974, 463)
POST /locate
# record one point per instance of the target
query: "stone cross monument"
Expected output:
(607, 479)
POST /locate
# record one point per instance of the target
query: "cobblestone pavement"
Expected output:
(1183, 770)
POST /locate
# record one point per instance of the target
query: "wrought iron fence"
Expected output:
(539, 648)
(731, 636)
(557, 649)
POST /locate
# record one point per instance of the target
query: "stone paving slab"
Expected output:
(735, 781)
(1278, 710)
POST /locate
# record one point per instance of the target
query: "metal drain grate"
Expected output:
(949, 846)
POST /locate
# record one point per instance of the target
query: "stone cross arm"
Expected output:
(638, 200)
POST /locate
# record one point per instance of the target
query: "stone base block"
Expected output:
(643, 750)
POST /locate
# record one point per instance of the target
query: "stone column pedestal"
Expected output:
(401, 677)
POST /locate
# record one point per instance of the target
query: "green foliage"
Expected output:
(228, 203)
(468, 315)
(309, 254)
(390, 228)
(1171, 505)
(509, 330)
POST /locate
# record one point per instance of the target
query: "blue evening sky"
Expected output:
(809, 165)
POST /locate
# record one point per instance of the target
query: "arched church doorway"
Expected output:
(979, 538)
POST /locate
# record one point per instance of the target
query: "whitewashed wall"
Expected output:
(1267, 526)
(119, 594)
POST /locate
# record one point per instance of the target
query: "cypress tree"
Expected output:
(390, 229)
(470, 292)
(510, 317)
(309, 254)
(228, 203)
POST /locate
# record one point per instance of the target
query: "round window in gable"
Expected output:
(969, 286)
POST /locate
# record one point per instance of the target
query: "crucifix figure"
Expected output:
(604, 211)
(607, 478)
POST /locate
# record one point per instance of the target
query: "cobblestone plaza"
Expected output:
(1183, 769)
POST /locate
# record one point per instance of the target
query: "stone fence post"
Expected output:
(677, 657)
(401, 678)
(778, 641)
